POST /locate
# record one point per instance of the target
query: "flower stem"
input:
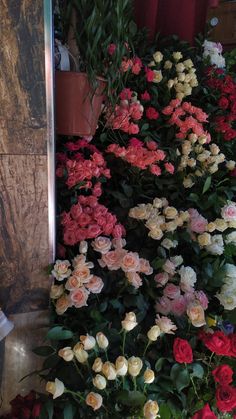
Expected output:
(135, 384)
(146, 348)
(123, 344)
(194, 387)
(78, 395)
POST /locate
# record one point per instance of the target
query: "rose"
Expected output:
(161, 279)
(134, 279)
(196, 314)
(165, 324)
(108, 369)
(102, 340)
(80, 354)
(204, 413)
(66, 353)
(62, 304)
(101, 244)
(170, 212)
(228, 212)
(223, 374)
(94, 400)
(83, 273)
(99, 381)
(79, 297)
(225, 398)
(130, 262)
(129, 321)
(150, 409)
(135, 365)
(56, 291)
(148, 376)
(61, 269)
(95, 285)
(171, 291)
(218, 342)
(97, 365)
(232, 338)
(56, 388)
(182, 351)
(151, 113)
(88, 342)
(144, 267)
(153, 333)
(121, 366)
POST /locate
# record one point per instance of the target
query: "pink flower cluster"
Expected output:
(125, 114)
(143, 156)
(197, 223)
(134, 65)
(88, 219)
(187, 118)
(119, 258)
(79, 169)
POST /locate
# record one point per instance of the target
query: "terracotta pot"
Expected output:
(78, 107)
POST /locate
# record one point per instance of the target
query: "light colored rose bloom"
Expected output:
(88, 342)
(61, 269)
(188, 63)
(109, 370)
(130, 262)
(196, 314)
(55, 388)
(94, 400)
(83, 247)
(232, 224)
(80, 354)
(95, 285)
(158, 56)
(188, 182)
(102, 340)
(157, 76)
(176, 260)
(179, 67)
(165, 324)
(187, 278)
(121, 366)
(151, 409)
(79, 297)
(135, 365)
(163, 305)
(170, 212)
(169, 267)
(66, 353)
(156, 234)
(134, 279)
(101, 244)
(211, 227)
(97, 365)
(56, 291)
(112, 259)
(100, 382)
(145, 267)
(171, 291)
(171, 226)
(139, 212)
(170, 83)
(228, 212)
(118, 243)
(62, 304)
(154, 333)
(227, 299)
(217, 245)
(169, 244)
(82, 273)
(161, 279)
(148, 376)
(230, 164)
(231, 238)
(230, 270)
(168, 65)
(202, 298)
(221, 225)
(73, 282)
(178, 306)
(204, 239)
(177, 55)
(129, 322)
(80, 260)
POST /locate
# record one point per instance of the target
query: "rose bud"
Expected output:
(100, 382)
(129, 321)
(66, 353)
(94, 400)
(56, 388)
(88, 342)
(121, 366)
(150, 409)
(102, 341)
(108, 369)
(149, 376)
(153, 333)
(97, 365)
(80, 354)
(83, 247)
(135, 365)
(56, 291)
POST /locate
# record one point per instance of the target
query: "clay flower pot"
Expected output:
(78, 106)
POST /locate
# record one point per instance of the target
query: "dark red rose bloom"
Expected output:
(36, 410)
(223, 374)
(151, 113)
(233, 174)
(218, 342)
(182, 351)
(230, 135)
(232, 338)
(226, 398)
(205, 413)
(223, 102)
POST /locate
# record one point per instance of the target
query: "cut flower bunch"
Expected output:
(144, 285)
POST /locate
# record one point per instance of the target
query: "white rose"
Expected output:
(217, 245)
(129, 322)
(231, 238)
(187, 278)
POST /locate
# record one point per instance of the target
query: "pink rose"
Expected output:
(169, 168)
(145, 96)
(163, 306)
(228, 212)
(133, 129)
(169, 267)
(171, 291)
(198, 223)
(118, 231)
(155, 169)
(79, 297)
(161, 279)
(112, 259)
(151, 145)
(144, 267)
(134, 279)
(178, 306)
(95, 285)
(130, 262)
(93, 231)
(111, 49)
(202, 298)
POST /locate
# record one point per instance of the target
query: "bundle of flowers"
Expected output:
(144, 285)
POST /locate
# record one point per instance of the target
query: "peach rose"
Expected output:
(134, 279)
(56, 388)
(56, 291)
(196, 314)
(95, 285)
(80, 354)
(94, 400)
(112, 259)
(102, 245)
(66, 353)
(83, 273)
(62, 304)
(79, 297)
(151, 409)
(145, 267)
(73, 283)
(130, 262)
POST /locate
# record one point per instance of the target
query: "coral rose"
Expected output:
(94, 400)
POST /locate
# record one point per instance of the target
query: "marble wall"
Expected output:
(24, 242)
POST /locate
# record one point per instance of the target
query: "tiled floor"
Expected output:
(17, 359)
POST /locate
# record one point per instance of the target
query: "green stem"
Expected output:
(135, 384)
(146, 348)
(194, 387)
(78, 370)
(123, 344)
(78, 395)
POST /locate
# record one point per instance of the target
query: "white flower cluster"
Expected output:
(213, 51)
(227, 295)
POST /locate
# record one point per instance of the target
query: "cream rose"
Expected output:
(83, 247)
(135, 365)
(170, 212)
(56, 291)
(66, 353)
(129, 321)
(61, 269)
(88, 342)
(102, 340)
(150, 409)
(157, 76)
(102, 244)
(80, 354)
(221, 225)
(168, 65)
(121, 366)
(149, 376)
(97, 365)
(153, 333)
(100, 382)
(56, 388)
(108, 369)
(204, 239)
(62, 304)
(196, 314)
(139, 212)
(94, 400)
(158, 57)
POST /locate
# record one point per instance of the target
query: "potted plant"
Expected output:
(98, 37)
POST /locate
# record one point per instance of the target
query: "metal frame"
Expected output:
(50, 112)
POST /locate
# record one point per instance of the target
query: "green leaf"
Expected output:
(131, 398)
(69, 411)
(59, 333)
(198, 371)
(165, 411)
(47, 410)
(207, 184)
(180, 376)
(159, 364)
(43, 350)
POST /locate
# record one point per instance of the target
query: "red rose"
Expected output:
(223, 374)
(182, 351)
(36, 410)
(145, 95)
(205, 413)
(226, 398)
(151, 113)
(218, 342)
(232, 339)
(223, 102)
